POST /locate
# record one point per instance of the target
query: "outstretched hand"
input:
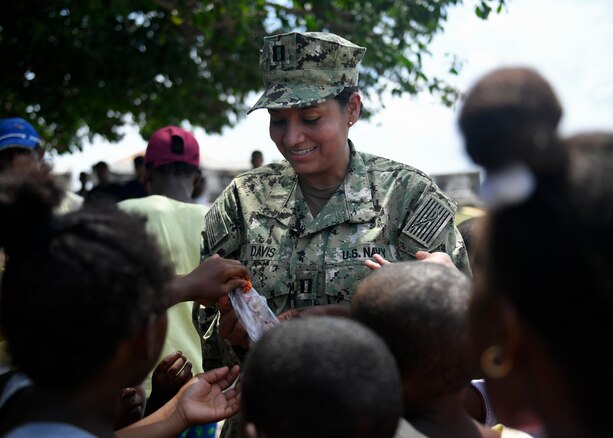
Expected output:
(206, 397)
(212, 279)
(168, 377)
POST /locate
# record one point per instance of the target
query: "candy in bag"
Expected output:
(253, 311)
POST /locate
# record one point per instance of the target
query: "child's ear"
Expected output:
(251, 431)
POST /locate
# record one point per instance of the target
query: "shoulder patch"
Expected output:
(429, 219)
(216, 228)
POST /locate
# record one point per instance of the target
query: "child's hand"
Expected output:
(376, 263)
(212, 279)
(440, 258)
(168, 377)
(206, 397)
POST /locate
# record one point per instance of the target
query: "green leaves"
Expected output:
(483, 9)
(76, 69)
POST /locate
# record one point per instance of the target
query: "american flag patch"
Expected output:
(429, 219)
(216, 228)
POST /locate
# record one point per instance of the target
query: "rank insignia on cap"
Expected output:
(429, 219)
(282, 52)
(278, 53)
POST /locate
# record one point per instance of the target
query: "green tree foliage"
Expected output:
(77, 68)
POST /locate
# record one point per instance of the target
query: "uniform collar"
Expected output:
(351, 203)
(358, 195)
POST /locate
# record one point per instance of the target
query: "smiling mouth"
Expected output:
(301, 152)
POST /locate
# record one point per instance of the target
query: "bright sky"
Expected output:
(570, 42)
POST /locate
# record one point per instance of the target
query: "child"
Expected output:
(320, 377)
(83, 309)
(420, 310)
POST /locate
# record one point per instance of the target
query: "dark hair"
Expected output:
(567, 268)
(467, 229)
(100, 165)
(323, 377)
(139, 161)
(343, 97)
(551, 254)
(75, 285)
(512, 114)
(421, 312)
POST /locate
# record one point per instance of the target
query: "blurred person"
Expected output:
(21, 151)
(104, 189)
(542, 305)
(320, 377)
(131, 407)
(421, 311)
(137, 186)
(172, 160)
(95, 258)
(257, 159)
(84, 180)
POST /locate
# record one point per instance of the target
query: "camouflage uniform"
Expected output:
(262, 219)
(382, 207)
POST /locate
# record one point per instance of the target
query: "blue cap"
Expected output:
(17, 133)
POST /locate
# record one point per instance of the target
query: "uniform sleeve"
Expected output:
(429, 226)
(222, 235)
(223, 227)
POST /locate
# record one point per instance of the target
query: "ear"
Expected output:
(353, 107)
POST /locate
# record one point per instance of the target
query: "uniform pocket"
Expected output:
(271, 279)
(341, 281)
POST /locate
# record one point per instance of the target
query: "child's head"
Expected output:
(470, 231)
(131, 407)
(420, 310)
(542, 304)
(505, 113)
(321, 377)
(76, 286)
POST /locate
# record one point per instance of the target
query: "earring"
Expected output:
(492, 364)
(350, 123)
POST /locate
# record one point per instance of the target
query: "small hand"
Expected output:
(206, 397)
(171, 374)
(436, 257)
(376, 263)
(168, 377)
(212, 279)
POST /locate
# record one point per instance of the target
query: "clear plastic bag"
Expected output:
(253, 311)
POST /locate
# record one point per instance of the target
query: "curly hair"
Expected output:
(75, 285)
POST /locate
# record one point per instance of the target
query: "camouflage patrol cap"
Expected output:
(304, 69)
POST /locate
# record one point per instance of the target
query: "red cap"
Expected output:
(172, 144)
